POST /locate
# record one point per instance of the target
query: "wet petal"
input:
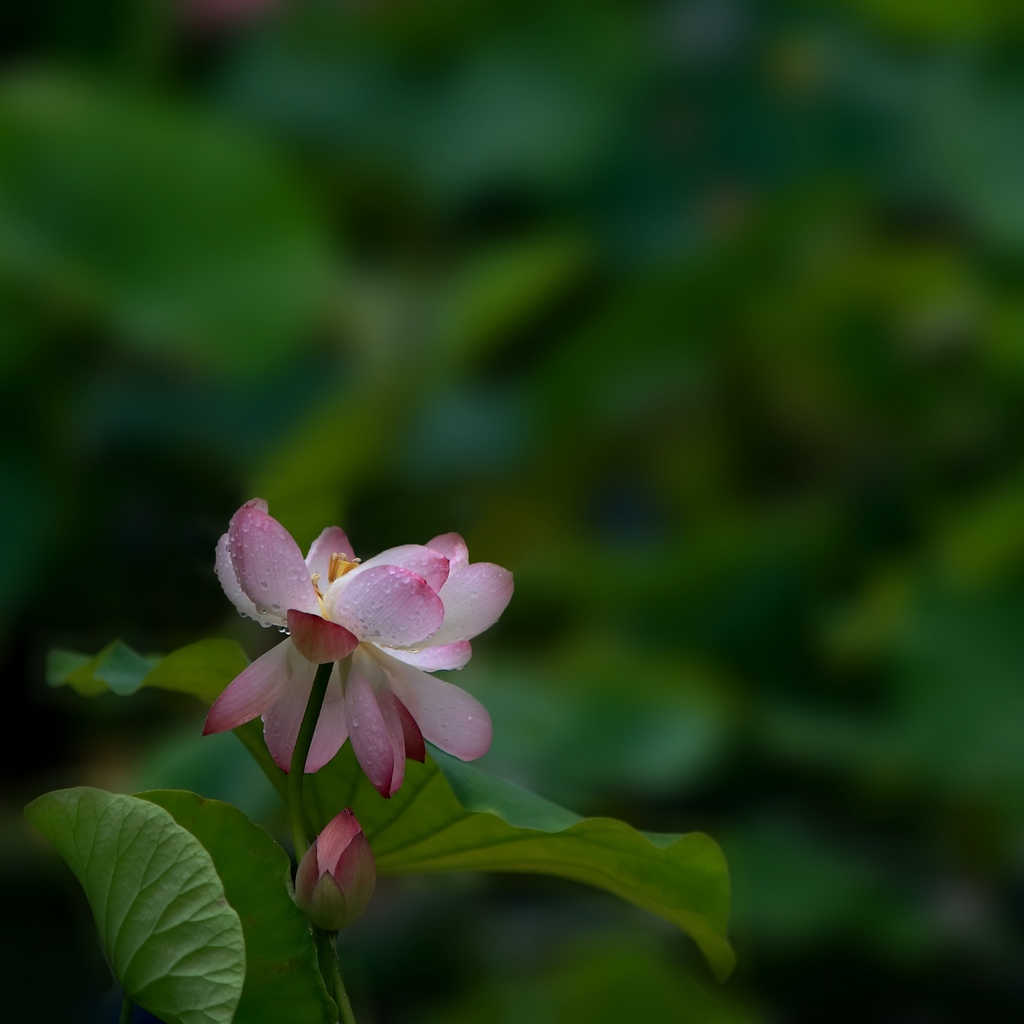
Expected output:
(332, 540)
(425, 562)
(256, 688)
(434, 659)
(229, 582)
(447, 716)
(281, 721)
(268, 564)
(385, 604)
(453, 547)
(374, 725)
(318, 639)
(474, 598)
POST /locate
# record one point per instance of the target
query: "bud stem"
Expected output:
(328, 954)
(328, 950)
(297, 769)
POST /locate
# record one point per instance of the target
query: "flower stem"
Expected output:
(127, 1005)
(341, 996)
(327, 953)
(297, 769)
(329, 968)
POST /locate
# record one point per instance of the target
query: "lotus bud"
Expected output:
(336, 875)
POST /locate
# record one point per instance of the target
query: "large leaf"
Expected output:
(201, 669)
(282, 979)
(117, 668)
(449, 816)
(171, 938)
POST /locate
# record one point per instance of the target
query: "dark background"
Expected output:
(704, 318)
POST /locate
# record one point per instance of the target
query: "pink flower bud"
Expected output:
(336, 876)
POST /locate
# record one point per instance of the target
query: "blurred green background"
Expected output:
(705, 317)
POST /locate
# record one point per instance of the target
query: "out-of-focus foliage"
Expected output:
(132, 213)
(705, 317)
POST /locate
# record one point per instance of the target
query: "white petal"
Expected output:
(474, 598)
(229, 582)
(447, 716)
(374, 725)
(281, 722)
(434, 659)
(417, 558)
(331, 541)
(453, 547)
(268, 564)
(384, 604)
(257, 688)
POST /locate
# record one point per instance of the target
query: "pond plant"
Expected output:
(202, 916)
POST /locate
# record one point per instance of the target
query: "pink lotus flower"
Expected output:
(388, 622)
(336, 875)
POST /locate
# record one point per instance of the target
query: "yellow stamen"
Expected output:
(339, 565)
(319, 596)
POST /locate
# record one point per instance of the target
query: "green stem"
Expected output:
(340, 995)
(127, 1005)
(297, 769)
(327, 952)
